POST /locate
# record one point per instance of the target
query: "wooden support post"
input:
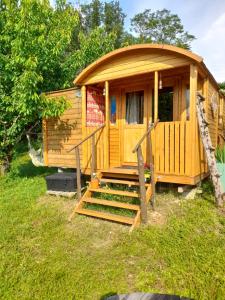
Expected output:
(93, 157)
(193, 118)
(141, 176)
(78, 173)
(106, 156)
(83, 124)
(156, 95)
(152, 172)
(45, 141)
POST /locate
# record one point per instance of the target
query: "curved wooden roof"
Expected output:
(145, 48)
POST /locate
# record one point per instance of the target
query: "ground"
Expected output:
(43, 256)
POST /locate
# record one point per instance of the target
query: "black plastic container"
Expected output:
(62, 182)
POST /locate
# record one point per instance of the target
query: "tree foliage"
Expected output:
(33, 40)
(161, 27)
(107, 15)
(91, 47)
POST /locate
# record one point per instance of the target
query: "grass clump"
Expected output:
(43, 256)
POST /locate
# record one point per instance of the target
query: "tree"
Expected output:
(161, 27)
(113, 20)
(34, 39)
(91, 15)
(91, 47)
(103, 14)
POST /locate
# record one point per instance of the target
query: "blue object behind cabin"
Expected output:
(221, 169)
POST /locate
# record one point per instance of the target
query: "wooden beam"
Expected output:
(156, 95)
(77, 152)
(93, 157)
(83, 124)
(193, 118)
(106, 156)
(140, 159)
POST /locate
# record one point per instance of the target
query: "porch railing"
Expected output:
(93, 158)
(141, 171)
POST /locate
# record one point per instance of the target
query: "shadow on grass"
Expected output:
(29, 170)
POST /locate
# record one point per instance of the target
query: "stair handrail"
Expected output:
(87, 137)
(93, 158)
(151, 126)
(141, 171)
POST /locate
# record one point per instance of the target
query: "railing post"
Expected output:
(156, 95)
(78, 173)
(141, 175)
(152, 172)
(93, 157)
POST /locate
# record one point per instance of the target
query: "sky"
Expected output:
(205, 19)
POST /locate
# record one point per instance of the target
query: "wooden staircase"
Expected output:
(116, 199)
(112, 203)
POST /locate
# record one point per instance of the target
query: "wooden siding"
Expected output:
(62, 133)
(114, 146)
(137, 62)
(212, 96)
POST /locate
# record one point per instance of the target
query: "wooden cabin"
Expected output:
(134, 109)
(124, 92)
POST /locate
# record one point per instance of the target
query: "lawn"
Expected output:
(43, 256)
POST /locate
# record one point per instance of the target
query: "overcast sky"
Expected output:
(203, 18)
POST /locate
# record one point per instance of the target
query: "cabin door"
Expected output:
(134, 123)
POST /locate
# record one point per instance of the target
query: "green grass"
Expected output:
(42, 256)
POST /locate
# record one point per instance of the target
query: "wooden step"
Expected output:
(121, 171)
(106, 216)
(111, 203)
(118, 181)
(114, 192)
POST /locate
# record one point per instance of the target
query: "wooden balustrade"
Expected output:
(93, 158)
(172, 148)
(141, 171)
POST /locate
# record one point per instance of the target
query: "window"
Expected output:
(187, 100)
(135, 107)
(113, 110)
(165, 104)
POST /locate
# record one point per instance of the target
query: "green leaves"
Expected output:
(34, 38)
(92, 46)
(161, 27)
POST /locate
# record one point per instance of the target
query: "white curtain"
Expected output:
(135, 107)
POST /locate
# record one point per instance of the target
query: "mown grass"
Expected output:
(42, 256)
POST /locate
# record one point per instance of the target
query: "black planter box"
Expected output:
(62, 182)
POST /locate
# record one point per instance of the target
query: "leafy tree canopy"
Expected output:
(91, 47)
(33, 40)
(108, 15)
(161, 27)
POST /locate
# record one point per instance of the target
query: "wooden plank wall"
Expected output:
(63, 132)
(221, 121)
(212, 118)
(114, 146)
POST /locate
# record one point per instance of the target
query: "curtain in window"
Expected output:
(135, 107)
